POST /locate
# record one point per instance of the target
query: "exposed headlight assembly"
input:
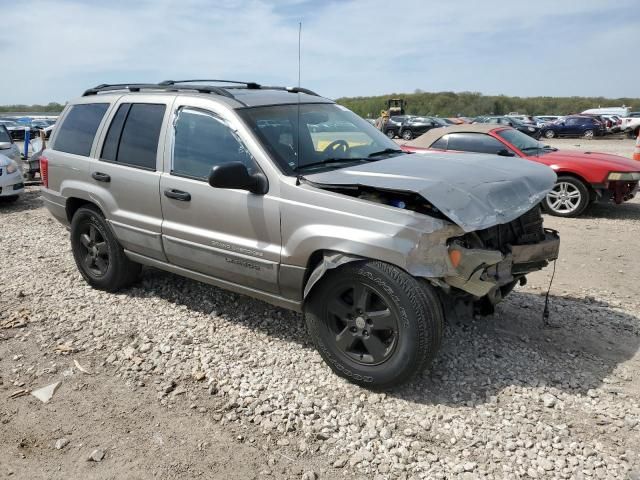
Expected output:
(531, 129)
(624, 176)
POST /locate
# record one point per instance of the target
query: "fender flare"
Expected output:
(330, 260)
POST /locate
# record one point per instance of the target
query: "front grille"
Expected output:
(524, 230)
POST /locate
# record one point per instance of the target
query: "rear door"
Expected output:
(232, 235)
(127, 171)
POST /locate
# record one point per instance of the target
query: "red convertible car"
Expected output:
(583, 177)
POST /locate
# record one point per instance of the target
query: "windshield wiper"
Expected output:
(327, 161)
(385, 151)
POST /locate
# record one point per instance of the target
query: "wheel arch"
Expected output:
(577, 176)
(73, 204)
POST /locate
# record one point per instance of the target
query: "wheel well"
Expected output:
(314, 260)
(73, 204)
(577, 177)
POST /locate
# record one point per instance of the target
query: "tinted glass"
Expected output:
(572, 121)
(110, 147)
(202, 141)
(440, 144)
(4, 135)
(474, 142)
(79, 127)
(139, 139)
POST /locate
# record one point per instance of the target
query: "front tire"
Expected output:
(374, 324)
(9, 198)
(391, 134)
(99, 256)
(407, 135)
(568, 198)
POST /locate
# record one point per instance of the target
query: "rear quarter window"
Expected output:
(79, 128)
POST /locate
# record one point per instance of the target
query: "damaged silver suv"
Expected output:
(285, 196)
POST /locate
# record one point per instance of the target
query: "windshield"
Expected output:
(9, 123)
(331, 136)
(523, 142)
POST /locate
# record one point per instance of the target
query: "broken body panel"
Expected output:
(462, 195)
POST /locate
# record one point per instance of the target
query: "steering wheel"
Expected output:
(336, 146)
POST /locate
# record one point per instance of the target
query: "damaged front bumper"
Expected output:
(483, 272)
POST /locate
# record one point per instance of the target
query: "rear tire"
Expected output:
(588, 134)
(568, 198)
(99, 256)
(374, 324)
(549, 134)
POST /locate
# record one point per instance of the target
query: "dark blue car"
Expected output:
(574, 126)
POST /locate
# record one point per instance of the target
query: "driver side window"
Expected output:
(203, 140)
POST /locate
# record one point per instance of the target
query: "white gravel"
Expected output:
(504, 399)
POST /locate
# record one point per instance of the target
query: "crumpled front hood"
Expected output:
(475, 191)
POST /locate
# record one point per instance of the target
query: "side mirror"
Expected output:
(505, 153)
(235, 175)
(5, 145)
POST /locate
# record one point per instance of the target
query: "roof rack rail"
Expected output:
(136, 87)
(250, 85)
(183, 85)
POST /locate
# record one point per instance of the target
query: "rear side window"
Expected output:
(440, 144)
(79, 127)
(474, 142)
(133, 135)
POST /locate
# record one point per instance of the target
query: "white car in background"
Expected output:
(8, 147)
(11, 180)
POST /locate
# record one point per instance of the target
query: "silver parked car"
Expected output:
(285, 196)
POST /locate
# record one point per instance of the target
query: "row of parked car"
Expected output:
(549, 126)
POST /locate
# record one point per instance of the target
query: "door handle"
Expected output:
(101, 177)
(177, 195)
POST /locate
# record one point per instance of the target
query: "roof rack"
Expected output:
(178, 86)
(250, 85)
(136, 87)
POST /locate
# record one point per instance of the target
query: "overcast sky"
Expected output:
(349, 48)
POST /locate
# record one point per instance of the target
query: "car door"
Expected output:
(126, 174)
(571, 126)
(232, 235)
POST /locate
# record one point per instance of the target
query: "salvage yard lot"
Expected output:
(187, 380)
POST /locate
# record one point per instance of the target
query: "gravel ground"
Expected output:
(186, 380)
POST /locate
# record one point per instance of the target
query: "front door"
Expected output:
(231, 235)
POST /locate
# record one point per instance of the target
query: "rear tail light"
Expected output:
(44, 171)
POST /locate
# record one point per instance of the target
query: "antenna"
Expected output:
(299, 50)
(298, 94)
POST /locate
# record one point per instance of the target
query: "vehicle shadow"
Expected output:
(479, 358)
(625, 211)
(205, 299)
(29, 200)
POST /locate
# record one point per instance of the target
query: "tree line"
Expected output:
(471, 104)
(51, 107)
